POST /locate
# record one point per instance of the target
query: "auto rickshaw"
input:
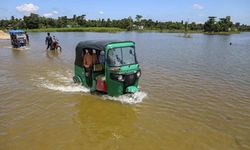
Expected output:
(18, 38)
(118, 75)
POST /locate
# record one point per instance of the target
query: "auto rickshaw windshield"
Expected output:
(121, 56)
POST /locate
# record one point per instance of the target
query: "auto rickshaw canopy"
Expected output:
(14, 32)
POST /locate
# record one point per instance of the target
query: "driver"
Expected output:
(88, 63)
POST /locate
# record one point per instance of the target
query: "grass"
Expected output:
(170, 31)
(87, 29)
(190, 31)
(113, 29)
(222, 33)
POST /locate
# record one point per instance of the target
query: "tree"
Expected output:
(148, 23)
(35, 21)
(74, 18)
(228, 24)
(32, 21)
(81, 20)
(50, 22)
(237, 25)
(62, 21)
(109, 23)
(186, 27)
(223, 25)
(138, 20)
(126, 23)
(209, 26)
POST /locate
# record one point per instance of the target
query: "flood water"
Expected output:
(195, 95)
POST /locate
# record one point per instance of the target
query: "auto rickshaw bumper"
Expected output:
(131, 89)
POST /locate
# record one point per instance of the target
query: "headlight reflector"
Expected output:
(120, 78)
(138, 74)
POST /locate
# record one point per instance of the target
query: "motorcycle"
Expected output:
(56, 46)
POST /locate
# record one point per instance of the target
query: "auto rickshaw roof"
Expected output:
(15, 31)
(96, 44)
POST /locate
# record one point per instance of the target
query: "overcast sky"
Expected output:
(162, 10)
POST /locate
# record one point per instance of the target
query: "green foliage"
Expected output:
(223, 25)
(79, 23)
(79, 29)
(138, 21)
(32, 21)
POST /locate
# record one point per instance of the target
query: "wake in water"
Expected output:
(20, 49)
(64, 88)
(64, 83)
(60, 82)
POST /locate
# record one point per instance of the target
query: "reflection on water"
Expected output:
(194, 95)
(52, 53)
(104, 125)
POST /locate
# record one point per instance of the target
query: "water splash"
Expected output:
(65, 88)
(8, 47)
(19, 49)
(61, 78)
(128, 98)
(63, 82)
(60, 82)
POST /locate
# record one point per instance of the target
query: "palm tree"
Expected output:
(138, 20)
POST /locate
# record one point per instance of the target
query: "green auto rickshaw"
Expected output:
(118, 74)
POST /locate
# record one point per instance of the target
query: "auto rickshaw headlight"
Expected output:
(120, 78)
(138, 74)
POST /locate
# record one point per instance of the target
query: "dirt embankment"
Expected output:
(4, 36)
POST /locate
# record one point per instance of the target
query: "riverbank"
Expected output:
(4, 36)
(113, 30)
(105, 29)
(87, 29)
(222, 33)
(190, 31)
(171, 31)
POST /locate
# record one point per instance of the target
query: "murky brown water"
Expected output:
(195, 95)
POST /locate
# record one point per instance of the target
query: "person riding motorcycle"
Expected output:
(54, 42)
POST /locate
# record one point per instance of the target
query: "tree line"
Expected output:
(223, 25)
(34, 21)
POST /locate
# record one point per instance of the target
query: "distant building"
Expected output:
(140, 27)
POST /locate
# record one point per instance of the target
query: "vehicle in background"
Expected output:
(56, 46)
(18, 38)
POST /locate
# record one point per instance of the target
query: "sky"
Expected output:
(161, 10)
